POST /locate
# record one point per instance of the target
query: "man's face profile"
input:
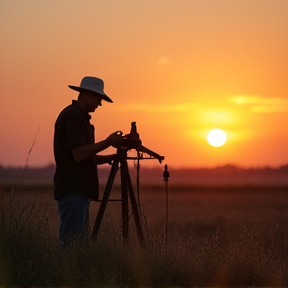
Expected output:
(93, 101)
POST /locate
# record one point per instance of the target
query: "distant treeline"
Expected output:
(222, 174)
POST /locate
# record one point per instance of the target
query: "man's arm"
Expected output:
(83, 152)
(103, 159)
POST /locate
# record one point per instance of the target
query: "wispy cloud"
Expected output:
(159, 108)
(164, 60)
(260, 104)
(256, 104)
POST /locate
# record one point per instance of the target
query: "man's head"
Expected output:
(89, 101)
(92, 84)
(91, 93)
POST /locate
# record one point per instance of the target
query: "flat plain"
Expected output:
(190, 211)
(220, 234)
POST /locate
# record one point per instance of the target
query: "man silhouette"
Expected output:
(75, 152)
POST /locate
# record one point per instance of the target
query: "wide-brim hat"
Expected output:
(92, 84)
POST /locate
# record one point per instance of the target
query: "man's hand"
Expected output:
(115, 139)
(82, 152)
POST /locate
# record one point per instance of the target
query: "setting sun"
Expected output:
(216, 137)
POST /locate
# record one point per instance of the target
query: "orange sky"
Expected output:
(177, 68)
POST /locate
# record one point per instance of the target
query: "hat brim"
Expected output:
(101, 94)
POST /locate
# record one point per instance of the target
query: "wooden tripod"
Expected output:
(126, 193)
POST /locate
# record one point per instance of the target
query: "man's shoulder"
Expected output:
(70, 110)
(69, 114)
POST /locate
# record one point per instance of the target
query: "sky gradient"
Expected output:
(177, 68)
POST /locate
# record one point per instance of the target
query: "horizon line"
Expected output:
(155, 167)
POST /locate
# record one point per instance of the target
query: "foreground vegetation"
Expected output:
(207, 255)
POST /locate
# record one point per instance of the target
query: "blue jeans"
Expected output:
(74, 217)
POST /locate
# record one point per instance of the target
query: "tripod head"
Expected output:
(133, 141)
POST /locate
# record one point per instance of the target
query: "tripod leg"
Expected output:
(104, 201)
(135, 210)
(124, 196)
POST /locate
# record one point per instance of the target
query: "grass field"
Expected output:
(216, 236)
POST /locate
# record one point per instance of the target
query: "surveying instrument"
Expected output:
(129, 141)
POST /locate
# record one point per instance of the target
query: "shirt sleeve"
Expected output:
(75, 128)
